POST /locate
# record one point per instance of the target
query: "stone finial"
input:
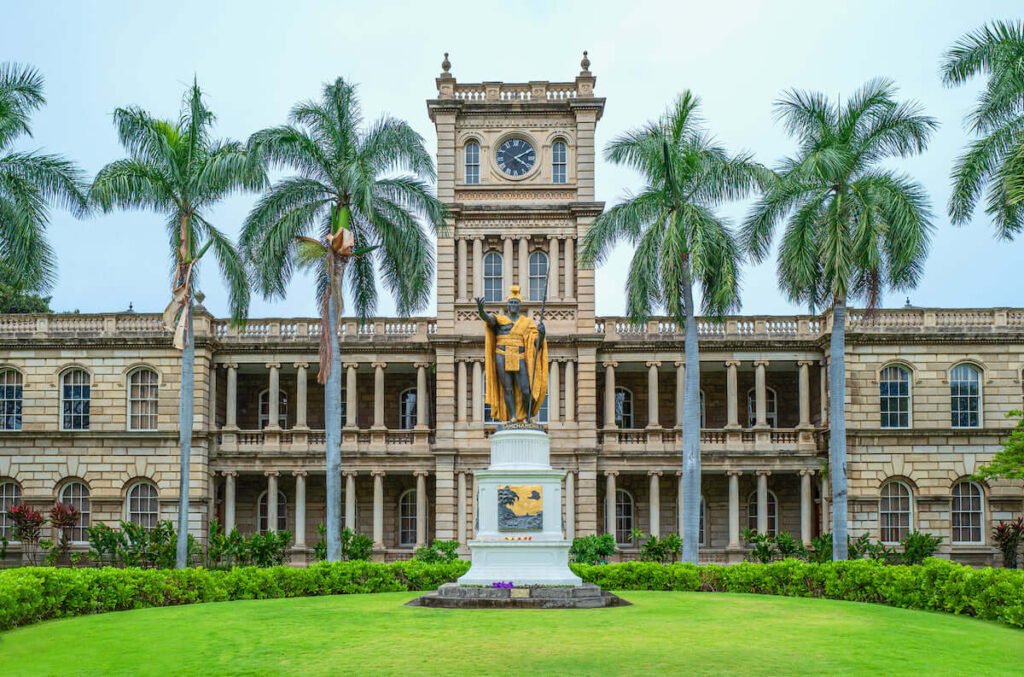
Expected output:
(446, 66)
(585, 64)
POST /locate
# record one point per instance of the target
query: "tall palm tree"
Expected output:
(994, 163)
(347, 213)
(853, 228)
(177, 169)
(30, 182)
(678, 238)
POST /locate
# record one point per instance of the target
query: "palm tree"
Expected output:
(346, 213)
(994, 163)
(853, 228)
(177, 169)
(678, 238)
(30, 181)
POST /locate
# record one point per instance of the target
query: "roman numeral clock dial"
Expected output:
(516, 157)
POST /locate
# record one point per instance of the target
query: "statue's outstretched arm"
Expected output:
(484, 315)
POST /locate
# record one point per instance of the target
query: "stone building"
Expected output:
(88, 403)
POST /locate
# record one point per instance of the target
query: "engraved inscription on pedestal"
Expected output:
(520, 508)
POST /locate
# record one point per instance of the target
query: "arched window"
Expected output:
(77, 494)
(623, 517)
(773, 513)
(895, 512)
(142, 399)
(770, 408)
(492, 277)
(407, 409)
(282, 409)
(10, 496)
(143, 505)
(559, 162)
(10, 399)
(967, 513)
(538, 275)
(965, 396)
(894, 397)
(407, 518)
(472, 162)
(623, 407)
(74, 400)
(282, 513)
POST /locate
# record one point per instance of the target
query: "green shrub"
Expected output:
(437, 552)
(354, 546)
(593, 549)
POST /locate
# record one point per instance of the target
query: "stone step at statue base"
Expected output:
(455, 596)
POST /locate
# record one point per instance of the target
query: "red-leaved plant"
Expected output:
(28, 523)
(1008, 536)
(64, 517)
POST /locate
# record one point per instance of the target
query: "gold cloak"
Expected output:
(526, 330)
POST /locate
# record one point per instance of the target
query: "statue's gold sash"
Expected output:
(518, 345)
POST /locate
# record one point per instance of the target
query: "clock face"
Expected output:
(516, 157)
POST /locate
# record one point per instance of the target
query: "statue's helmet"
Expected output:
(514, 294)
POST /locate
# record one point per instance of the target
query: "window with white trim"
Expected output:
(282, 513)
(10, 399)
(965, 396)
(559, 162)
(407, 518)
(143, 505)
(407, 409)
(623, 407)
(624, 512)
(773, 513)
(77, 494)
(493, 265)
(538, 275)
(282, 409)
(143, 399)
(10, 496)
(74, 399)
(894, 397)
(966, 514)
(472, 162)
(770, 408)
(895, 512)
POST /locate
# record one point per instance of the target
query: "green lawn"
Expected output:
(662, 633)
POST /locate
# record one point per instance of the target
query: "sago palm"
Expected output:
(679, 239)
(853, 228)
(351, 211)
(30, 182)
(179, 170)
(994, 163)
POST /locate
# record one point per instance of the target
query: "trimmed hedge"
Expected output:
(32, 594)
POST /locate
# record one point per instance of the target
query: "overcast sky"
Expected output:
(255, 59)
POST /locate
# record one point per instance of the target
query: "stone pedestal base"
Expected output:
(521, 562)
(455, 596)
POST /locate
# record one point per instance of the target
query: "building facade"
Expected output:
(88, 403)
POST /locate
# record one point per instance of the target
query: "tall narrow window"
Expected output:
(472, 162)
(407, 409)
(770, 408)
(967, 513)
(77, 494)
(559, 162)
(10, 496)
(623, 517)
(538, 275)
(407, 519)
(10, 399)
(895, 512)
(282, 512)
(702, 534)
(74, 400)
(965, 396)
(894, 397)
(282, 409)
(773, 513)
(143, 505)
(623, 407)
(703, 412)
(542, 413)
(142, 399)
(492, 277)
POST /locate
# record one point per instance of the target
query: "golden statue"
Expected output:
(516, 354)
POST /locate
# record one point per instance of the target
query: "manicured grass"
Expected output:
(662, 633)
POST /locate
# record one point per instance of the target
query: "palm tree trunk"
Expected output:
(185, 413)
(691, 429)
(332, 409)
(837, 424)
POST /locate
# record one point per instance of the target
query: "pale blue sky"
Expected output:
(255, 59)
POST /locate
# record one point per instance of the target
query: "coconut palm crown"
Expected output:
(352, 211)
(678, 238)
(852, 227)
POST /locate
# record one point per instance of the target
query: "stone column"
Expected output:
(421, 507)
(274, 396)
(680, 390)
(734, 508)
(229, 500)
(655, 502)
(271, 499)
(805, 394)
(460, 392)
(350, 498)
(554, 392)
(524, 266)
(300, 508)
(378, 508)
(507, 263)
(478, 267)
(568, 289)
(231, 420)
(760, 395)
(553, 268)
(762, 501)
(570, 505)
(378, 395)
(350, 395)
(421, 396)
(652, 394)
(461, 502)
(806, 506)
(609, 395)
(462, 268)
(679, 502)
(478, 392)
(824, 392)
(609, 501)
(731, 396)
(570, 391)
(301, 396)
